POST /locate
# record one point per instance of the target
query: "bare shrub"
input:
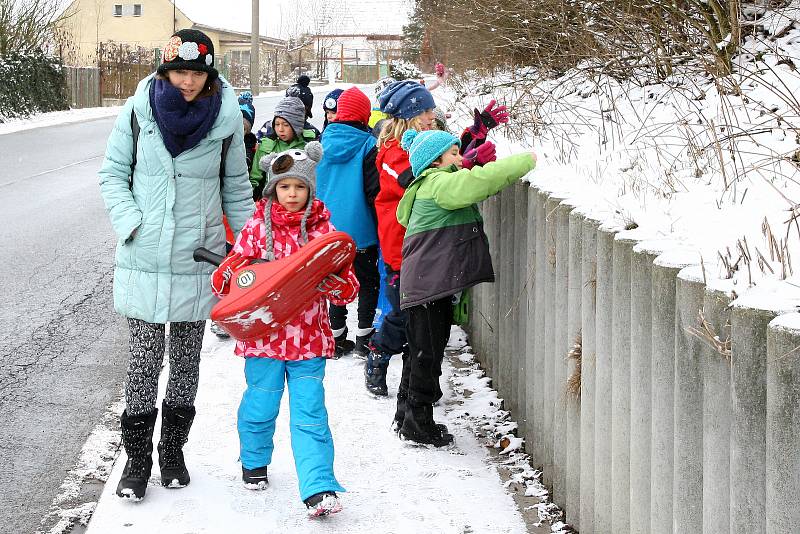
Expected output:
(28, 26)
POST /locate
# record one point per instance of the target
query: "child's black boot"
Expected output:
(343, 345)
(418, 426)
(137, 438)
(362, 345)
(175, 426)
(375, 373)
(400, 411)
(323, 503)
(255, 479)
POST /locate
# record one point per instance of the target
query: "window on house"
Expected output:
(117, 10)
(137, 10)
(241, 57)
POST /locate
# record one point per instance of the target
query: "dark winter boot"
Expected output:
(255, 479)
(343, 345)
(137, 438)
(400, 411)
(400, 415)
(323, 503)
(418, 426)
(175, 425)
(218, 331)
(375, 373)
(362, 346)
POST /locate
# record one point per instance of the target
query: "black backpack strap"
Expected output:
(135, 133)
(226, 144)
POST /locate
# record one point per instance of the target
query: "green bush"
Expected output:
(32, 83)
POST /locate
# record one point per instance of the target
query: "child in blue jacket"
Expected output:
(347, 182)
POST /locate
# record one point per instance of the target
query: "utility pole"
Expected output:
(174, 15)
(255, 71)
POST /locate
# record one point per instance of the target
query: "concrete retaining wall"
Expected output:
(688, 414)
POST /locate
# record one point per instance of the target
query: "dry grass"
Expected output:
(592, 283)
(705, 333)
(573, 388)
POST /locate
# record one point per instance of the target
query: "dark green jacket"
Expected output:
(445, 249)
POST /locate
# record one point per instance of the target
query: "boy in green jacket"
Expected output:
(286, 132)
(445, 252)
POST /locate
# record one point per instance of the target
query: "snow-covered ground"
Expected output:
(57, 117)
(392, 486)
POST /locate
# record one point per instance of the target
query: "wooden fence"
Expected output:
(83, 86)
(119, 80)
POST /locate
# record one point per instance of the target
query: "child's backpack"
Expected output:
(135, 129)
(461, 308)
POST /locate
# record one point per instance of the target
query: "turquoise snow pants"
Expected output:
(312, 443)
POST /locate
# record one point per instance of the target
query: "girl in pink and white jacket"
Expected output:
(287, 217)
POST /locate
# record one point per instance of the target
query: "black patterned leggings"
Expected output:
(144, 366)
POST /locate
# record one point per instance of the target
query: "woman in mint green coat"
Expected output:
(177, 123)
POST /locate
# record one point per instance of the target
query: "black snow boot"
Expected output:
(400, 411)
(323, 503)
(255, 479)
(175, 425)
(418, 426)
(137, 438)
(400, 414)
(375, 373)
(362, 345)
(343, 345)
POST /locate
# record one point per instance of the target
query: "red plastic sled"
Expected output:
(266, 296)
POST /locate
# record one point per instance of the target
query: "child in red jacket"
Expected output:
(410, 106)
(286, 218)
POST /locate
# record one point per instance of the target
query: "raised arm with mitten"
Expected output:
(483, 121)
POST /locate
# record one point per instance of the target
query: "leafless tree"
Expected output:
(28, 25)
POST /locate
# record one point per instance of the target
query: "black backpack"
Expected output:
(135, 129)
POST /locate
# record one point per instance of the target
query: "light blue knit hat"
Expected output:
(425, 147)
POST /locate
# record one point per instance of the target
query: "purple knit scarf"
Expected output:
(182, 124)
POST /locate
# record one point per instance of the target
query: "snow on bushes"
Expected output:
(403, 70)
(32, 83)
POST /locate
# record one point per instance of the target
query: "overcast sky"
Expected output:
(282, 18)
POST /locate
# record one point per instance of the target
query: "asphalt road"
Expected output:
(63, 349)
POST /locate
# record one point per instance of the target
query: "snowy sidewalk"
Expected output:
(392, 486)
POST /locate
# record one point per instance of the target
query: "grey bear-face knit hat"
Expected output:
(293, 163)
(292, 110)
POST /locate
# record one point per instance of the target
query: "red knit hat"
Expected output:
(353, 105)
